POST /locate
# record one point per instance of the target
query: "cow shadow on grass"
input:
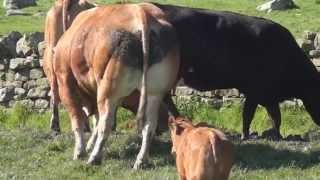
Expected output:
(126, 147)
(254, 156)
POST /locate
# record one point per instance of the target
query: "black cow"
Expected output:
(257, 56)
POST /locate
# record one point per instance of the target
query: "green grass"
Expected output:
(296, 20)
(295, 120)
(28, 151)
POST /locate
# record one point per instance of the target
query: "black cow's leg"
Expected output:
(249, 109)
(275, 117)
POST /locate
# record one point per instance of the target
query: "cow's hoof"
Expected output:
(271, 134)
(137, 165)
(252, 136)
(89, 147)
(294, 138)
(141, 165)
(79, 155)
(94, 161)
(244, 138)
(55, 133)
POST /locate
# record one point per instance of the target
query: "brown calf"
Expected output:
(202, 153)
(105, 55)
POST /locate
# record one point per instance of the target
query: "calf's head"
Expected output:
(178, 126)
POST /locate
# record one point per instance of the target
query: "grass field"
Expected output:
(28, 151)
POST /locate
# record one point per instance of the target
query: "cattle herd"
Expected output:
(100, 57)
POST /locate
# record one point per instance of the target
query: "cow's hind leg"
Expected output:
(103, 129)
(77, 117)
(94, 134)
(249, 109)
(148, 131)
(117, 83)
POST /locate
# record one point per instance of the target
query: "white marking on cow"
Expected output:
(86, 110)
(79, 144)
(103, 130)
(93, 137)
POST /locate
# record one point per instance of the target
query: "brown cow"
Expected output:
(102, 58)
(202, 153)
(58, 19)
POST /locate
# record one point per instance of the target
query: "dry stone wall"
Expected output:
(310, 43)
(22, 79)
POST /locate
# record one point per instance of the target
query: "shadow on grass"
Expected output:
(262, 156)
(127, 148)
(251, 156)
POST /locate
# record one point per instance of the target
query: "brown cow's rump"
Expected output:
(97, 64)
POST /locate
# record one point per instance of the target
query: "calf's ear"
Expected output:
(179, 130)
(171, 121)
(174, 125)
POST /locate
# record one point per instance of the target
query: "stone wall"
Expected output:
(310, 43)
(22, 79)
(21, 76)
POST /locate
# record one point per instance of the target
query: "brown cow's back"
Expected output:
(209, 152)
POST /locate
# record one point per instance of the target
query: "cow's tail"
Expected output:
(65, 7)
(213, 141)
(145, 31)
(220, 144)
